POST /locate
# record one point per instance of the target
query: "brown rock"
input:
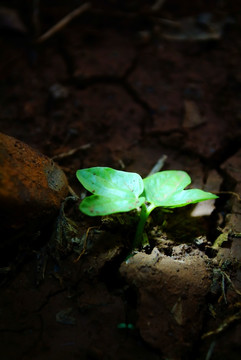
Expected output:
(32, 187)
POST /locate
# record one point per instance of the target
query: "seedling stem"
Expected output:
(145, 212)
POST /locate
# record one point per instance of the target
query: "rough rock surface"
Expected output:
(30, 184)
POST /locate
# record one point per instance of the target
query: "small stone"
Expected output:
(193, 117)
(58, 92)
(32, 188)
(204, 208)
(213, 184)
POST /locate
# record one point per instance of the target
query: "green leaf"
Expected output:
(114, 191)
(161, 186)
(165, 189)
(95, 205)
(186, 197)
(109, 182)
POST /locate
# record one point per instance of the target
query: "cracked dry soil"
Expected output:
(122, 100)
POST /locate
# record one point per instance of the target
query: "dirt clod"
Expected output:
(171, 299)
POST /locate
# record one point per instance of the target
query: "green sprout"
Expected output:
(115, 191)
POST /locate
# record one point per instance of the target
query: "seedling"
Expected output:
(115, 191)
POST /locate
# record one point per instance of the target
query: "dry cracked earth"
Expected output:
(121, 85)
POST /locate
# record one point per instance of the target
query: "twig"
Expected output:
(5, 270)
(210, 350)
(62, 23)
(224, 325)
(85, 243)
(73, 193)
(158, 4)
(228, 193)
(158, 166)
(36, 23)
(223, 288)
(231, 283)
(71, 152)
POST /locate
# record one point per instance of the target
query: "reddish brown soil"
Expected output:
(114, 87)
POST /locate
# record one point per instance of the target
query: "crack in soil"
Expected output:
(122, 83)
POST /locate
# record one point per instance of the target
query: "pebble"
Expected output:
(193, 117)
(32, 188)
(58, 92)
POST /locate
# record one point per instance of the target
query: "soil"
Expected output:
(122, 85)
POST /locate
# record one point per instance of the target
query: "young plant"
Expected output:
(115, 191)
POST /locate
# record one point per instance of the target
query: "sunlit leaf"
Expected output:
(109, 182)
(186, 197)
(95, 205)
(165, 189)
(114, 191)
(162, 185)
